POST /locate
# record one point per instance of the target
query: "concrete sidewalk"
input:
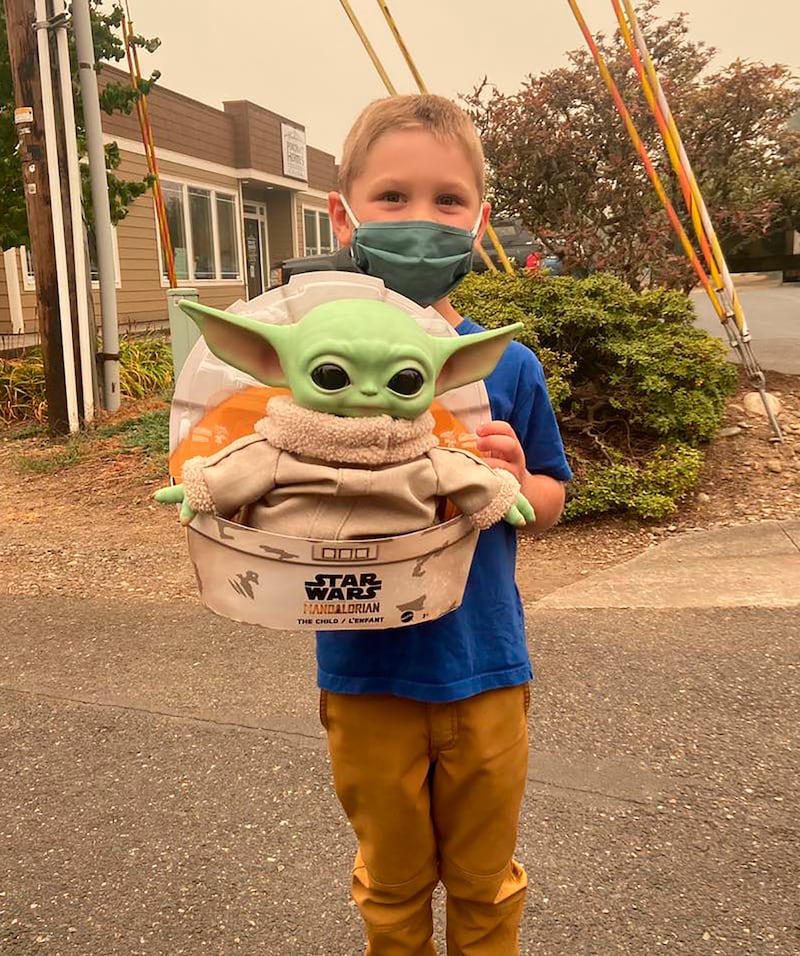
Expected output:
(166, 788)
(753, 565)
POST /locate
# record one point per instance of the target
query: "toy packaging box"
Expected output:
(276, 581)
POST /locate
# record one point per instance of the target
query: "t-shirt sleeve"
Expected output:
(534, 421)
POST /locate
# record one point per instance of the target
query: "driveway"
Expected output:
(772, 310)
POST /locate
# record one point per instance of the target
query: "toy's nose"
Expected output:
(370, 390)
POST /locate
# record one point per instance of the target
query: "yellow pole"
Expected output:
(403, 48)
(655, 179)
(697, 196)
(485, 257)
(501, 252)
(368, 47)
(689, 194)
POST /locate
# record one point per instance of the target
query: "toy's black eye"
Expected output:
(408, 381)
(330, 377)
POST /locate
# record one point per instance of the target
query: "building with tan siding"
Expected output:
(243, 192)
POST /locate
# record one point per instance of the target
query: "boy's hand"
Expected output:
(520, 513)
(174, 494)
(500, 448)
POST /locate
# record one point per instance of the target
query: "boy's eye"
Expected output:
(330, 377)
(392, 196)
(408, 381)
(449, 200)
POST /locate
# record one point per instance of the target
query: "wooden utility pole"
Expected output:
(29, 118)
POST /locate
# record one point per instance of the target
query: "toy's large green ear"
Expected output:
(469, 358)
(252, 347)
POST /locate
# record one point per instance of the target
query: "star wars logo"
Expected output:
(343, 587)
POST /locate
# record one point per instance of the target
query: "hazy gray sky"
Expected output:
(301, 58)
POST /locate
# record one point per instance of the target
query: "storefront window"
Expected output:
(311, 233)
(228, 247)
(325, 234)
(202, 233)
(205, 245)
(319, 239)
(173, 200)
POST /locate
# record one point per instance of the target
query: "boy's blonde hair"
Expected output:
(436, 114)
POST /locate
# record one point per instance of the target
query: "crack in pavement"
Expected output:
(170, 714)
(789, 536)
(546, 772)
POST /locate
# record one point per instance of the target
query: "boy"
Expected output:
(427, 726)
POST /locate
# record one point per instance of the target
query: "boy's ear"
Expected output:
(340, 221)
(252, 347)
(486, 212)
(469, 358)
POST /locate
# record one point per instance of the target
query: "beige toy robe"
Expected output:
(309, 474)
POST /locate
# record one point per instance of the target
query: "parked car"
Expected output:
(553, 264)
(339, 261)
(517, 243)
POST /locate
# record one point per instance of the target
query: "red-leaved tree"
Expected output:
(561, 161)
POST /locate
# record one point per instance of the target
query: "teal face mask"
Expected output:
(424, 261)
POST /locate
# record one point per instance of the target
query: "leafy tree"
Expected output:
(560, 158)
(108, 46)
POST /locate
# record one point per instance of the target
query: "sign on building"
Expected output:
(294, 152)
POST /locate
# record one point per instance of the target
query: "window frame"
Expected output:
(317, 211)
(229, 193)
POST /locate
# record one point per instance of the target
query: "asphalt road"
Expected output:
(165, 787)
(772, 310)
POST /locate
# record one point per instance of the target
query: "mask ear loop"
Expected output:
(349, 211)
(477, 225)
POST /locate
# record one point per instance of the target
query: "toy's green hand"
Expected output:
(174, 495)
(520, 513)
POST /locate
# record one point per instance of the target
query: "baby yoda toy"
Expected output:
(352, 453)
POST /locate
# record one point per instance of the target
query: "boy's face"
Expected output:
(409, 174)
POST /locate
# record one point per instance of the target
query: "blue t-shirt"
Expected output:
(481, 645)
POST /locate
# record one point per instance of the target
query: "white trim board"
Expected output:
(10, 259)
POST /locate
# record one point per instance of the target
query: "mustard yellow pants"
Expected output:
(433, 792)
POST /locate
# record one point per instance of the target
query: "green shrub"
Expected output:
(650, 489)
(637, 387)
(22, 392)
(145, 366)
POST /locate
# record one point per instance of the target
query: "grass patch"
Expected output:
(53, 460)
(149, 432)
(33, 430)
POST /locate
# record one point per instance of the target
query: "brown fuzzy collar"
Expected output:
(380, 440)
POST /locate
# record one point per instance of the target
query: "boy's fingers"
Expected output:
(495, 428)
(503, 463)
(171, 495)
(503, 446)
